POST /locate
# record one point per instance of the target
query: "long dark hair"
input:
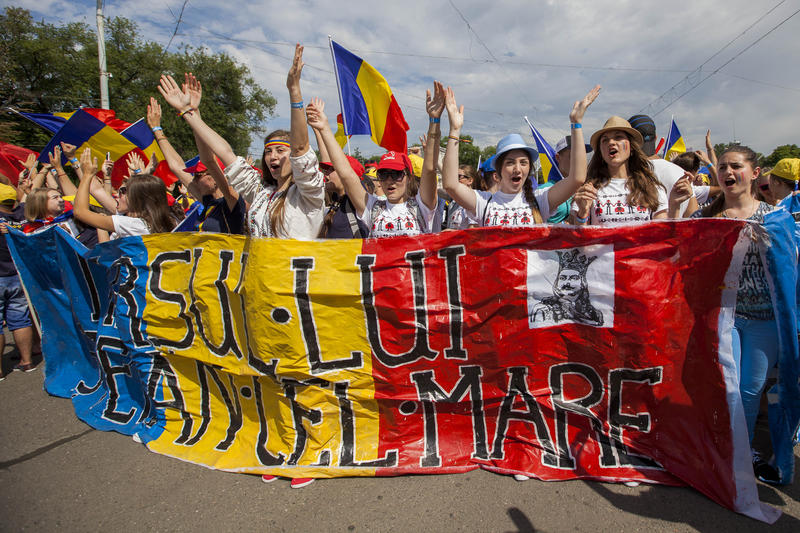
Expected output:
(527, 185)
(718, 205)
(147, 199)
(642, 181)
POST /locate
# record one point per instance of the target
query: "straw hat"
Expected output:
(617, 123)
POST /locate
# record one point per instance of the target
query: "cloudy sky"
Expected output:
(728, 66)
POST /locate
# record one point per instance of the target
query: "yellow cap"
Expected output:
(7, 194)
(787, 168)
(416, 164)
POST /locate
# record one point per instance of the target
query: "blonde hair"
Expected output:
(36, 203)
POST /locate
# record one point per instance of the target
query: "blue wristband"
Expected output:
(435, 120)
(582, 220)
(137, 171)
(576, 125)
(74, 160)
(157, 128)
(297, 105)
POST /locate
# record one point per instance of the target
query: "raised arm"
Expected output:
(434, 105)
(171, 156)
(351, 182)
(181, 102)
(564, 189)
(298, 132)
(461, 193)
(67, 187)
(81, 207)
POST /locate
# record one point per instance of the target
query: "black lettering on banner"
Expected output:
(430, 393)
(125, 291)
(421, 348)
(301, 267)
(347, 452)
(161, 371)
(156, 268)
(266, 458)
(517, 386)
(94, 297)
(450, 256)
(300, 413)
(109, 373)
(620, 454)
(231, 400)
(83, 389)
(243, 261)
(228, 343)
(579, 406)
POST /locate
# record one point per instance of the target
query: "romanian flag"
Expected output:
(368, 106)
(86, 131)
(140, 134)
(341, 138)
(547, 156)
(675, 144)
(53, 122)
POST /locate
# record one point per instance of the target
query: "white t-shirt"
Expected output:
(395, 219)
(457, 217)
(612, 207)
(509, 210)
(125, 226)
(701, 193)
(669, 174)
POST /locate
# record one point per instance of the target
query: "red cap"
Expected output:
(395, 161)
(354, 164)
(200, 167)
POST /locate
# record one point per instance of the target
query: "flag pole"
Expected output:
(339, 91)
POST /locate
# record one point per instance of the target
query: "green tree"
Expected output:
(781, 152)
(48, 68)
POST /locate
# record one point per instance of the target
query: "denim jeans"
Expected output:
(755, 350)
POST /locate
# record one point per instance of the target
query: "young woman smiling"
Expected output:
(517, 202)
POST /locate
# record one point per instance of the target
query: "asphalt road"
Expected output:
(57, 473)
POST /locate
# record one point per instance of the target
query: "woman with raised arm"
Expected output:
(148, 210)
(621, 187)
(403, 211)
(289, 201)
(518, 202)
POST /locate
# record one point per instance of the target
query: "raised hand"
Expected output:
(68, 150)
(195, 90)
(152, 164)
(315, 115)
(435, 105)
(293, 79)
(88, 165)
(423, 140)
(455, 113)
(55, 157)
(580, 106)
(173, 95)
(681, 191)
(135, 164)
(107, 168)
(29, 163)
(153, 113)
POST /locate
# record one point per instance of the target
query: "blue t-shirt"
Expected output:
(218, 218)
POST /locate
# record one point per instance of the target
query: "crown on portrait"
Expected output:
(574, 260)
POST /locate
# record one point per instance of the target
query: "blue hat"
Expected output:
(488, 165)
(514, 141)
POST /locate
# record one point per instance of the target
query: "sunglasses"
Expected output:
(326, 171)
(122, 190)
(463, 177)
(394, 175)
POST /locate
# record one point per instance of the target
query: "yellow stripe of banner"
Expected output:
(275, 327)
(377, 96)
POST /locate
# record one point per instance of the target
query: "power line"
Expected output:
(762, 82)
(696, 72)
(177, 25)
(781, 23)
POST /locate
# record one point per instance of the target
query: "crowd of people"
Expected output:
(294, 195)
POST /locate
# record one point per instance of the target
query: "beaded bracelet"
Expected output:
(576, 125)
(456, 139)
(187, 111)
(297, 105)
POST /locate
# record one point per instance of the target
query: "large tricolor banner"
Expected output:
(555, 352)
